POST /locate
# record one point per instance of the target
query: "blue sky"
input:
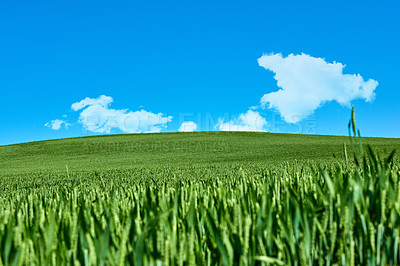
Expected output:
(197, 62)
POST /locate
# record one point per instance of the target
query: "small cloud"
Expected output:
(96, 116)
(56, 124)
(250, 121)
(103, 100)
(306, 83)
(188, 126)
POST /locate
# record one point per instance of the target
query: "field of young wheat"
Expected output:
(241, 207)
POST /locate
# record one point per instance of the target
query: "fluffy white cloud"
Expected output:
(188, 126)
(250, 121)
(56, 124)
(306, 83)
(103, 100)
(96, 116)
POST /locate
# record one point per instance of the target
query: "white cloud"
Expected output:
(188, 126)
(96, 116)
(306, 83)
(103, 100)
(56, 124)
(250, 121)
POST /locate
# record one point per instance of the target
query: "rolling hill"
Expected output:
(207, 198)
(124, 152)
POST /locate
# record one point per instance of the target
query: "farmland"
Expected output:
(200, 198)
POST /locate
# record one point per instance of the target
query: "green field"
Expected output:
(199, 198)
(124, 152)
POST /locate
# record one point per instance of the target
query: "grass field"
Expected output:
(124, 152)
(199, 198)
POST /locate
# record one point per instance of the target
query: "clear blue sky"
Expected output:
(188, 57)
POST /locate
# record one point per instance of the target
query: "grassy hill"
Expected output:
(175, 149)
(200, 149)
(205, 198)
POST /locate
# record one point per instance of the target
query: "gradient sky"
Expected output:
(190, 60)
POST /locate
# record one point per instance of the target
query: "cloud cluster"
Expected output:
(56, 124)
(249, 121)
(306, 83)
(97, 116)
(188, 126)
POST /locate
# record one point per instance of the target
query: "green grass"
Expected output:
(124, 152)
(199, 199)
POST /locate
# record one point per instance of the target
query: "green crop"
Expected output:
(298, 215)
(252, 204)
